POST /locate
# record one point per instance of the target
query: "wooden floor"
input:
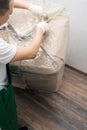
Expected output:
(64, 110)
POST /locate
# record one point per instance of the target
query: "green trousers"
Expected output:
(8, 114)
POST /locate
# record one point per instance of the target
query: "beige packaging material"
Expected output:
(44, 73)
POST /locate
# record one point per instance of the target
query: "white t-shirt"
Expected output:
(7, 52)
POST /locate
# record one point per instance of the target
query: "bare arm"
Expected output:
(21, 4)
(35, 9)
(30, 51)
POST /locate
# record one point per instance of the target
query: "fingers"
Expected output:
(36, 9)
(44, 26)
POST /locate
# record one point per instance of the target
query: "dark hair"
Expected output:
(4, 6)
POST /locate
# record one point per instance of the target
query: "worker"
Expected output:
(11, 53)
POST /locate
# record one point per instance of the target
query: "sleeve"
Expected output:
(7, 52)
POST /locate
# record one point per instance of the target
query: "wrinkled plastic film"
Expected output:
(46, 69)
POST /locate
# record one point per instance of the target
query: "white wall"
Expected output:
(77, 48)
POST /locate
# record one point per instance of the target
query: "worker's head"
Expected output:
(6, 8)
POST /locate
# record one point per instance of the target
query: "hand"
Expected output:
(36, 9)
(44, 26)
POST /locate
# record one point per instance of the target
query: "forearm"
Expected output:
(35, 45)
(29, 52)
(21, 4)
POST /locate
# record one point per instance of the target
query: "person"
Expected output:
(11, 53)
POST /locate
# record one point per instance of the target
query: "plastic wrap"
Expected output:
(46, 70)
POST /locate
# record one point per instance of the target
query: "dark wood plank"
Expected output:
(64, 110)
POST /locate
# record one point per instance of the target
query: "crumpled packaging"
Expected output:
(43, 73)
